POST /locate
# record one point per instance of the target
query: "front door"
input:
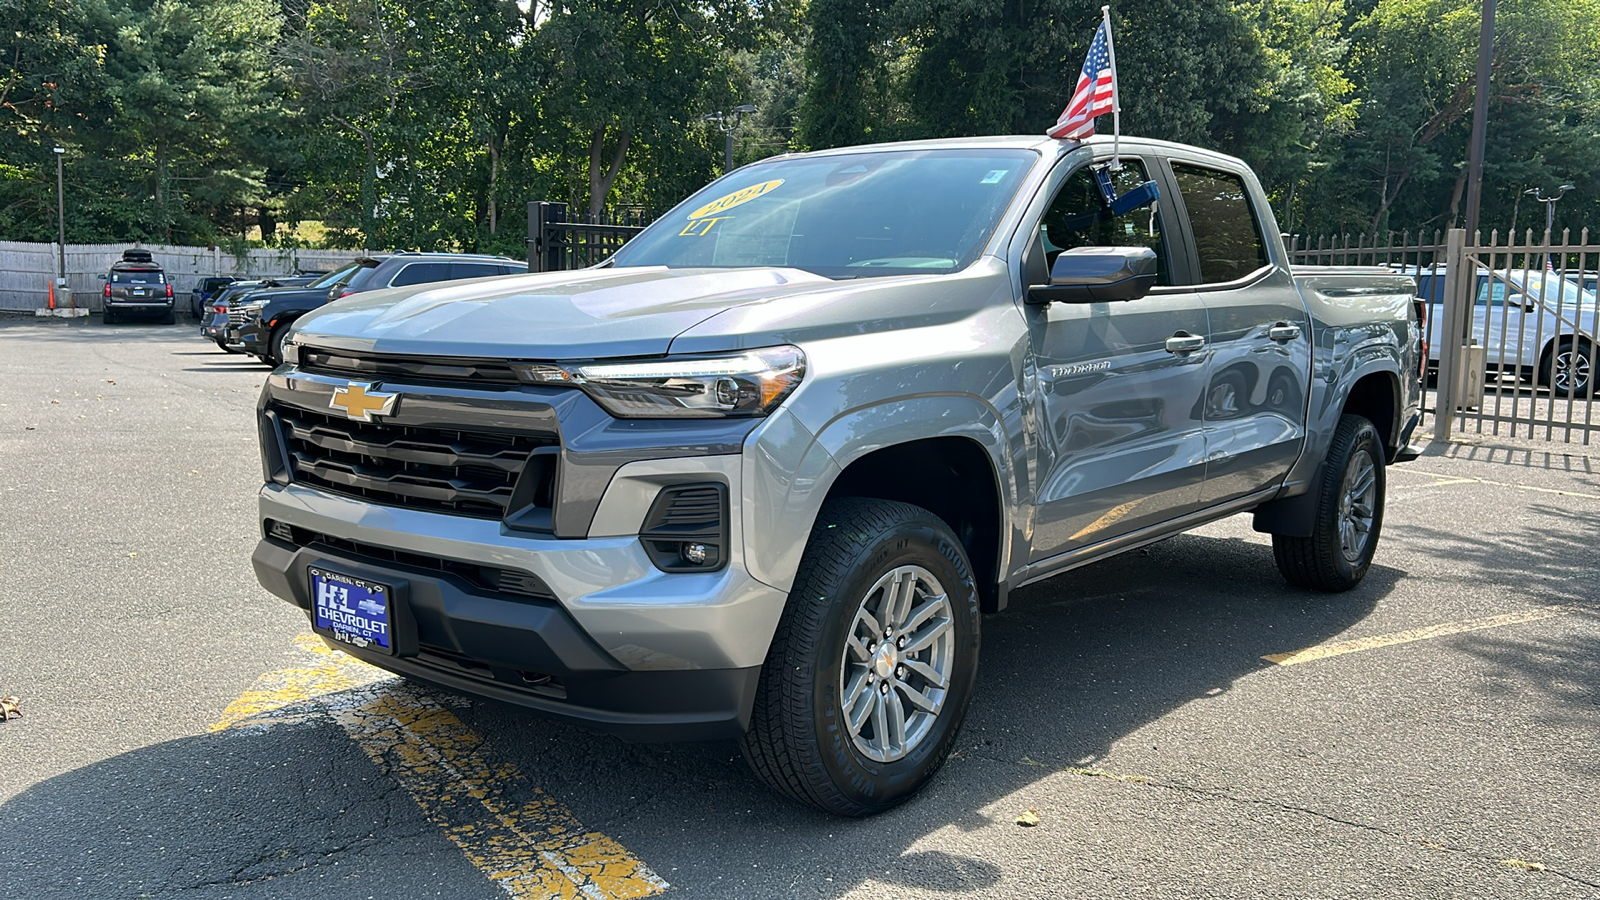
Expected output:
(1117, 405)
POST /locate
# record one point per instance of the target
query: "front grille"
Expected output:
(467, 473)
(488, 578)
(374, 366)
(235, 315)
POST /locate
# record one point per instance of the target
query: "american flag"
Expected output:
(1096, 93)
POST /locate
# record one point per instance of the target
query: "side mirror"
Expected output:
(104, 276)
(1523, 302)
(1097, 275)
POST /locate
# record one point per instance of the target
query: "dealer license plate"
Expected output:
(352, 610)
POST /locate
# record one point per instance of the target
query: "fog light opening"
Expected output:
(694, 554)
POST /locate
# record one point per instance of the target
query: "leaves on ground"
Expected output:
(1523, 864)
(10, 708)
(1029, 818)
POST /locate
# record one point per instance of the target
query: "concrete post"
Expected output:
(1451, 333)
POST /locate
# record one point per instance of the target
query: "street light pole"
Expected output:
(61, 222)
(728, 129)
(1480, 119)
(1549, 209)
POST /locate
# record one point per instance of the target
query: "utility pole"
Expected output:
(727, 130)
(61, 223)
(1480, 119)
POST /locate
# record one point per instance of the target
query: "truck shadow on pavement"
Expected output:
(1076, 665)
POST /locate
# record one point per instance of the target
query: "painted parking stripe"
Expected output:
(519, 837)
(1339, 648)
(1445, 480)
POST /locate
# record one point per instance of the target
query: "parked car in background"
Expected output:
(264, 319)
(1531, 322)
(203, 291)
(214, 326)
(136, 285)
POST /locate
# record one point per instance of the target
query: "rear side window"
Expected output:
(473, 270)
(1226, 234)
(421, 273)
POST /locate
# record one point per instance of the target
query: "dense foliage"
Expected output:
(430, 125)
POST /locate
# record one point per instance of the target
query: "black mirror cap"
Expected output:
(1098, 275)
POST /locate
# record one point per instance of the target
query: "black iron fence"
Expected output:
(558, 241)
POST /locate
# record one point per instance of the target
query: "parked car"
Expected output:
(135, 286)
(264, 319)
(757, 476)
(214, 327)
(1531, 323)
(204, 290)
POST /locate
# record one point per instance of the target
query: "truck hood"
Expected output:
(588, 314)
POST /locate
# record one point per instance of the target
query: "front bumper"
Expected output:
(251, 335)
(616, 644)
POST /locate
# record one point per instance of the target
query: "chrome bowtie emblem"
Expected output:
(361, 402)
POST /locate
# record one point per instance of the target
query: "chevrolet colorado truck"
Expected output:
(759, 475)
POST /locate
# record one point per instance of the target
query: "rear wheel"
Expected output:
(171, 318)
(873, 663)
(1349, 514)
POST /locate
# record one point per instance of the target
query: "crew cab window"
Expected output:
(1078, 217)
(1226, 233)
(421, 273)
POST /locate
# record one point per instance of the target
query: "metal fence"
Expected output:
(556, 242)
(27, 269)
(1511, 326)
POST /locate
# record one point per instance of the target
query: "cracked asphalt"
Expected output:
(1127, 702)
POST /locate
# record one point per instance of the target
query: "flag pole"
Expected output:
(1116, 98)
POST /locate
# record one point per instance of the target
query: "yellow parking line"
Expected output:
(531, 849)
(1443, 480)
(1339, 648)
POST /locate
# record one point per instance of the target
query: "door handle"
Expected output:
(1283, 332)
(1184, 342)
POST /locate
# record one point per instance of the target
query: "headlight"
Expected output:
(752, 383)
(291, 350)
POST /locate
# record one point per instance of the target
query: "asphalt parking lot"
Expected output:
(1429, 734)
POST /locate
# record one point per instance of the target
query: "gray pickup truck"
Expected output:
(759, 475)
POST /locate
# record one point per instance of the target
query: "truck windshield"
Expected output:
(849, 216)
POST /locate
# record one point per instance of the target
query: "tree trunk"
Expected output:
(601, 179)
(1455, 199)
(163, 221)
(494, 178)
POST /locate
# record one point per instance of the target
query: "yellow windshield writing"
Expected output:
(729, 201)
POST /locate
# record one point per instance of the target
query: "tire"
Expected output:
(171, 318)
(1569, 368)
(801, 741)
(226, 349)
(110, 317)
(1349, 514)
(274, 355)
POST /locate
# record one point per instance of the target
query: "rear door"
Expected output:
(1254, 404)
(1117, 408)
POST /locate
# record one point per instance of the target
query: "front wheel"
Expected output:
(1349, 514)
(1568, 369)
(873, 664)
(223, 345)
